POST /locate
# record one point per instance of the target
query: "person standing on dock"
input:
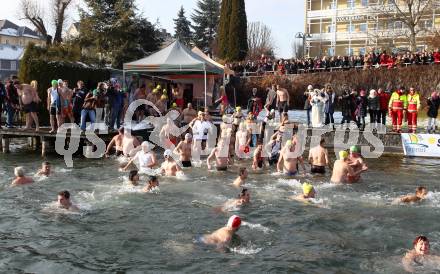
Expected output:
(283, 99)
(2, 100)
(29, 99)
(413, 108)
(88, 110)
(79, 94)
(433, 105)
(384, 98)
(397, 107)
(54, 106)
(329, 106)
(66, 101)
(11, 103)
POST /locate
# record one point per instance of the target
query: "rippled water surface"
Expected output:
(351, 229)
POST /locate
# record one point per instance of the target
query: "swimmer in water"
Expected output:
(241, 179)
(184, 150)
(169, 167)
(116, 142)
(146, 158)
(288, 161)
(45, 170)
(308, 193)
(420, 195)
(318, 158)
(342, 170)
(223, 236)
(419, 255)
(64, 201)
(221, 155)
(153, 183)
(243, 198)
(357, 163)
(20, 178)
(133, 178)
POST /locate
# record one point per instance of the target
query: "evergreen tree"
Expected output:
(112, 30)
(182, 27)
(223, 28)
(237, 42)
(206, 19)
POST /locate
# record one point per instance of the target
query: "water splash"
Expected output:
(259, 227)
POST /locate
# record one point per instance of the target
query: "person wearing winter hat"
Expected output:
(433, 105)
(223, 236)
(169, 166)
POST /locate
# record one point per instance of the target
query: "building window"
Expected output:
(13, 65)
(364, 3)
(362, 51)
(350, 4)
(349, 51)
(333, 5)
(398, 25)
(350, 28)
(331, 28)
(428, 24)
(363, 27)
(5, 64)
(7, 42)
(331, 51)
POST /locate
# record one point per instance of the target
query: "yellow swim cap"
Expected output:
(158, 87)
(343, 154)
(289, 143)
(164, 97)
(237, 108)
(155, 91)
(164, 91)
(307, 188)
(174, 105)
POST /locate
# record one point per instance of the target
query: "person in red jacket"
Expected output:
(384, 98)
(436, 56)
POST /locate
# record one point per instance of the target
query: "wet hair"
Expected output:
(152, 178)
(65, 194)
(420, 238)
(420, 189)
(46, 163)
(132, 174)
(243, 193)
(241, 171)
(322, 141)
(19, 171)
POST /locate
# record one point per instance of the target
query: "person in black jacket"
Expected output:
(2, 98)
(361, 110)
(346, 106)
(12, 103)
(79, 94)
(433, 105)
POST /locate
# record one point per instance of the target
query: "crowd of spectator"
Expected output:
(374, 59)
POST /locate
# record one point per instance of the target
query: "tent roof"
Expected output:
(176, 58)
(200, 53)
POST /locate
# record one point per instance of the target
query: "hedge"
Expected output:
(424, 78)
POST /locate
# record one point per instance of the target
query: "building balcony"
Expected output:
(339, 36)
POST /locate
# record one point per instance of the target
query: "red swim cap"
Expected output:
(234, 222)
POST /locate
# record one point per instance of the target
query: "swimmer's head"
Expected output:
(167, 153)
(121, 130)
(188, 136)
(164, 91)
(155, 91)
(64, 198)
(133, 176)
(421, 245)
(158, 87)
(234, 222)
(343, 155)
(421, 192)
(145, 146)
(289, 143)
(174, 105)
(243, 172)
(308, 190)
(355, 150)
(19, 171)
(238, 109)
(153, 181)
(60, 81)
(45, 166)
(54, 83)
(164, 97)
(244, 195)
(310, 87)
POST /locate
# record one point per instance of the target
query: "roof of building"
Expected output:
(10, 52)
(10, 29)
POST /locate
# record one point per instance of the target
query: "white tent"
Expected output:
(172, 60)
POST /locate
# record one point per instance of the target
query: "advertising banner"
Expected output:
(425, 145)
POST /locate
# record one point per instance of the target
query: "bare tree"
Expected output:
(59, 14)
(297, 49)
(410, 13)
(32, 12)
(260, 40)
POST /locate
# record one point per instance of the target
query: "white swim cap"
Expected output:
(310, 87)
(60, 81)
(167, 153)
(234, 222)
(145, 144)
(188, 136)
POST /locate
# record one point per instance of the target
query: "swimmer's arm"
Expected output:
(129, 162)
(406, 262)
(153, 161)
(280, 160)
(177, 148)
(110, 146)
(327, 161)
(288, 97)
(301, 161)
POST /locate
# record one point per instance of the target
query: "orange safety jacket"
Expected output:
(398, 102)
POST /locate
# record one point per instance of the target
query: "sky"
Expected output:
(284, 17)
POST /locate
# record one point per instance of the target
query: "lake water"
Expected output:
(352, 229)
